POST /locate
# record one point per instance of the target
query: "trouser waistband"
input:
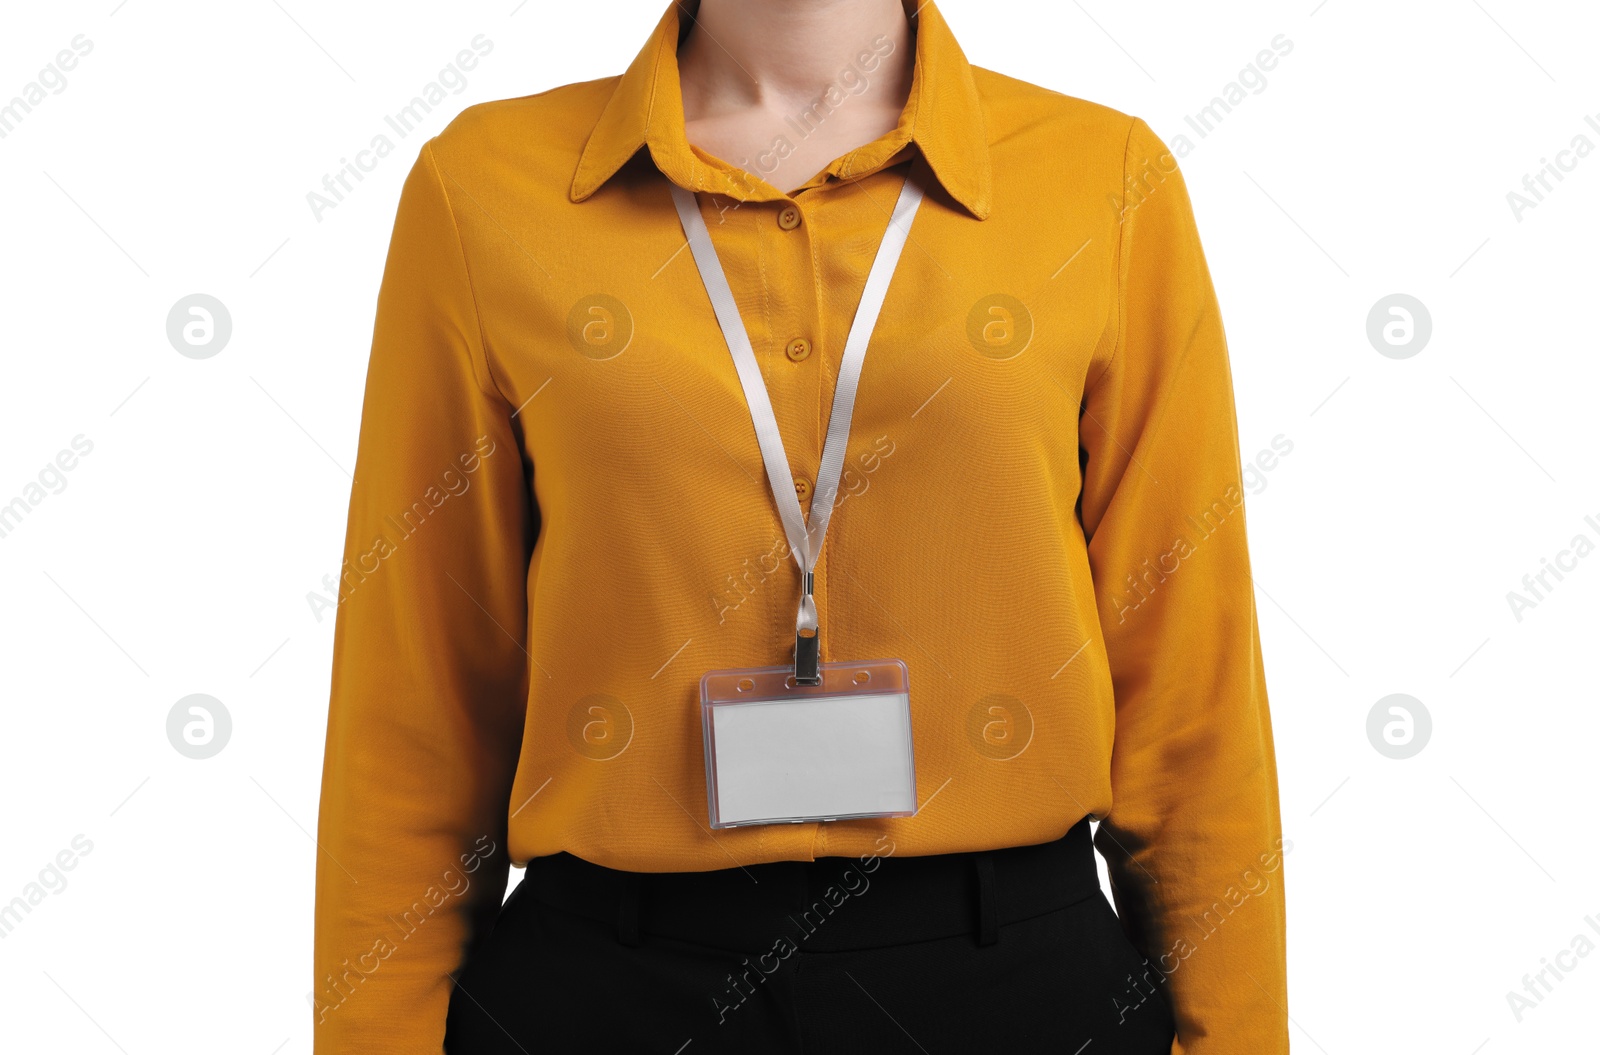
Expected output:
(832, 903)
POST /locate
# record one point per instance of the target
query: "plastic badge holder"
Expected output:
(781, 752)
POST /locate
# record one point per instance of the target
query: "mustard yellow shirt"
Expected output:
(560, 521)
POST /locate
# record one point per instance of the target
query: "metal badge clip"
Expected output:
(807, 639)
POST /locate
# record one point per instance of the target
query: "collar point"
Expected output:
(586, 181)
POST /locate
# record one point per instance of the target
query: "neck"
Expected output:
(780, 54)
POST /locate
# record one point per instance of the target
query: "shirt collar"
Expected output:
(943, 116)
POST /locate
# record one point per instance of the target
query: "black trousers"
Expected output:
(1012, 950)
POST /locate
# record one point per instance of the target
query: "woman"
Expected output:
(1007, 594)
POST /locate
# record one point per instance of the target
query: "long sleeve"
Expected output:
(1193, 838)
(429, 673)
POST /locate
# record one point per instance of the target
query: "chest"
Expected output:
(607, 340)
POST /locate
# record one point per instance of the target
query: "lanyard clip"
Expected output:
(807, 639)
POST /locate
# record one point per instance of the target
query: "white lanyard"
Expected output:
(804, 542)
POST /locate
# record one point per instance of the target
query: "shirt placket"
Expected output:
(774, 283)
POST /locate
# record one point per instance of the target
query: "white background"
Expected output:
(1419, 491)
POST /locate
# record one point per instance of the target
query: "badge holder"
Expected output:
(781, 751)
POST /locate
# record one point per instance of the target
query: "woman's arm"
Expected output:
(1193, 840)
(430, 673)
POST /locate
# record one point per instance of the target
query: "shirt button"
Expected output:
(798, 349)
(789, 218)
(802, 487)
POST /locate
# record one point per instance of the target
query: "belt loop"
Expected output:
(628, 909)
(988, 899)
